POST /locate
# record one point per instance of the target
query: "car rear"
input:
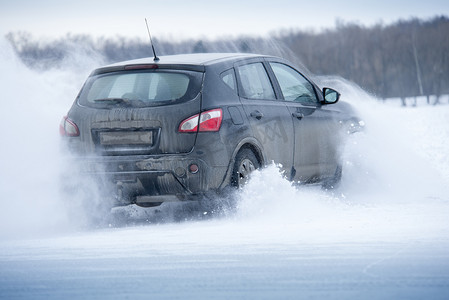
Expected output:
(136, 125)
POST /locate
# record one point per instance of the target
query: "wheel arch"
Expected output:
(248, 143)
(256, 150)
(254, 146)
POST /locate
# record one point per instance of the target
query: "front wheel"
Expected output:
(245, 163)
(334, 181)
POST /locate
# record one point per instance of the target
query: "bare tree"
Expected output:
(405, 59)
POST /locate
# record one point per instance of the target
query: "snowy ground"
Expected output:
(383, 234)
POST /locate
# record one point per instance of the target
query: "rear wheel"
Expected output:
(245, 163)
(224, 203)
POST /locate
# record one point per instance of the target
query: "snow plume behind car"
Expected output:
(387, 169)
(30, 162)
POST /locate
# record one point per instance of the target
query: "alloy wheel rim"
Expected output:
(245, 168)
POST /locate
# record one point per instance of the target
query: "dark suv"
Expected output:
(185, 125)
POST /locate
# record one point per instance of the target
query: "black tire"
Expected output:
(334, 181)
(245, 163)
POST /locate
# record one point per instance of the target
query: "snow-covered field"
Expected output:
(383, 234)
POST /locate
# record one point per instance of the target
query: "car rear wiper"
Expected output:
(114, 100)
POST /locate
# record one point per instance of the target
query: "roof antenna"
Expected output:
(151, 41)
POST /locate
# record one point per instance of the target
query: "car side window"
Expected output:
(229, 78)
(255, 82)
(294, 86)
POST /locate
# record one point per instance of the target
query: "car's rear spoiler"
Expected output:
(197, 68)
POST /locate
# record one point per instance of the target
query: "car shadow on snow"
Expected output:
(171, 212)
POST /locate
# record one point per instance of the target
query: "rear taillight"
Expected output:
(68, 128)
(206, 121)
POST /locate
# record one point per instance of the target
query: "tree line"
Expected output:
(408, 58)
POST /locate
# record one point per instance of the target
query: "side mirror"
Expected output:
(331, 96)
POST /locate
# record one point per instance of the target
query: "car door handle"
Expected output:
(298, 115)
(256, 114)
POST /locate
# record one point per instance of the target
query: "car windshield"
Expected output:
(140, 88)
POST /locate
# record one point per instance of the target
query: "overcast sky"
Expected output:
(180, 19)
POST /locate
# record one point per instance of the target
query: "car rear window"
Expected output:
(140, 88)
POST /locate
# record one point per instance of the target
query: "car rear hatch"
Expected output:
(137, 109)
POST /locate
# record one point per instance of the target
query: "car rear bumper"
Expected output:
(148, 180)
